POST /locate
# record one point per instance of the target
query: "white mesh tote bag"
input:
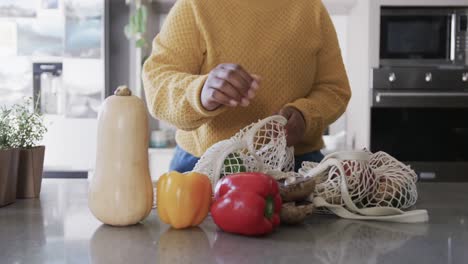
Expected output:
(366, 186)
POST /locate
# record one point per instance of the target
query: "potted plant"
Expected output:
(29, 129)
(9, 157)
(137, 23)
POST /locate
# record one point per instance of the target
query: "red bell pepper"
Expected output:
(247, 204)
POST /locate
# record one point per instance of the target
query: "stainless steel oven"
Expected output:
(420, 115)
(424, 36)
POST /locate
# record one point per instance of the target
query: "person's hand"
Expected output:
(295, 128)
(230, 85)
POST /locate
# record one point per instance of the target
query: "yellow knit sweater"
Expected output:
(292, 45)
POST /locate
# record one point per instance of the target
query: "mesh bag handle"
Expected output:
(259, 147)
(348, 208)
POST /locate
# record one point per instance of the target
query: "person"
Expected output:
(220, 65)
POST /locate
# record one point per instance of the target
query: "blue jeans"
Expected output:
(184, 162)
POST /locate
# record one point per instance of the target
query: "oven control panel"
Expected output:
(461, 42)
(421, 78)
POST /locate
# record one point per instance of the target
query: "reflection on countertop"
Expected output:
(59, 228)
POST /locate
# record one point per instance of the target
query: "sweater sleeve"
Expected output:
(171, 75)
(330, 93)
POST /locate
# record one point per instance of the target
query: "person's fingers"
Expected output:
(234, 86)
(226, 88)
(216, 83)
(300, 118)
(221, 98)
(256, 83)
(238, 68)
(257, 77)
(251, 94)
(235, 79)
(252, 80)
(286, 113)
(290, 135)
(295, 126)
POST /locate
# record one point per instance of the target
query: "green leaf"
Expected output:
(139, 20)
(137, 25)
(143, 27)
(140, 15)
(140, 43)
(144, 13)
(144, 18)
(134, 24)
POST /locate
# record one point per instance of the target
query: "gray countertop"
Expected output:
(59, 228)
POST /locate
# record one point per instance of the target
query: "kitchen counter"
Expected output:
(59, 228)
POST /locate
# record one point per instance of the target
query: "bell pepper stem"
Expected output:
(269, 207)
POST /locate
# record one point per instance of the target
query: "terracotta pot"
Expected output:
(8, 175)
(31, 164)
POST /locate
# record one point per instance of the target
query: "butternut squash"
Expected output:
(121, 192)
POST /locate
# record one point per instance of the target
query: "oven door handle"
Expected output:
(453, 32)
(379, 95)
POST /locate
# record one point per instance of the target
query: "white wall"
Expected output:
(340, 22)
(339, 7)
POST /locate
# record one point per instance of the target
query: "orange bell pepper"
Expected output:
(183, 199)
